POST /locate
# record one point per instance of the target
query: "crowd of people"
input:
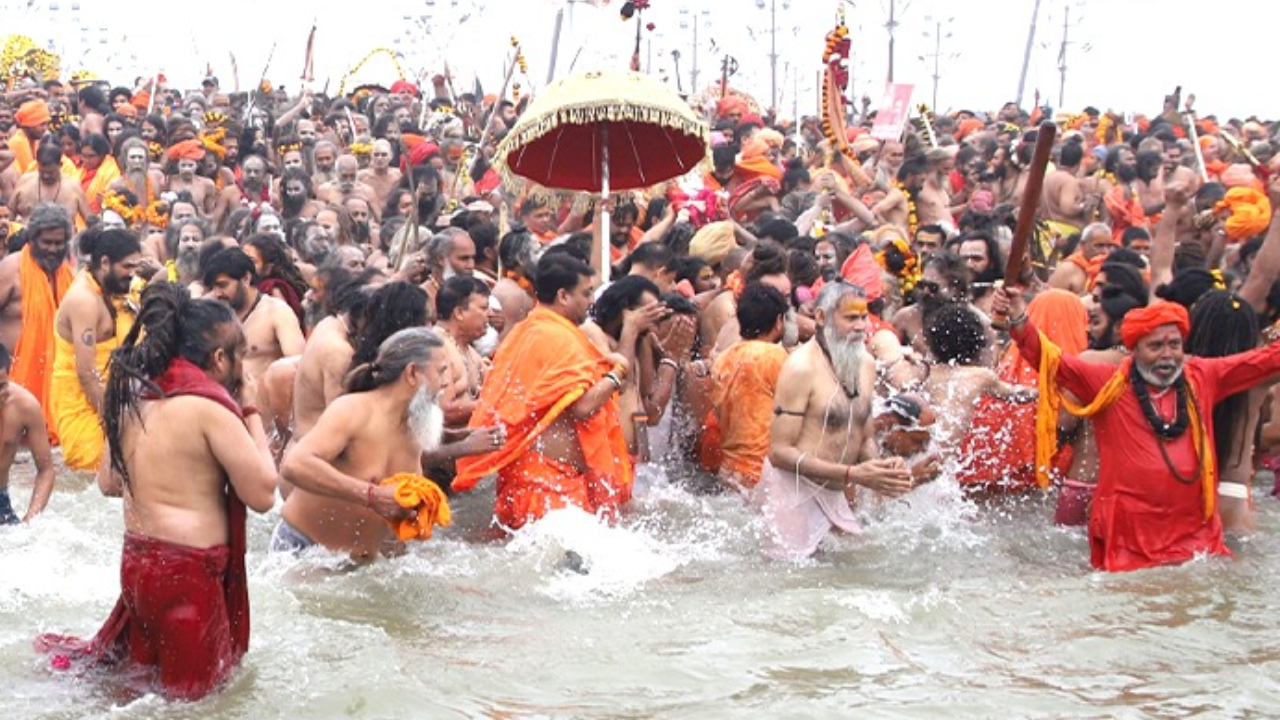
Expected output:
(326, 301)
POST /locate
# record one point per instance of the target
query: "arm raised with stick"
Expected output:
(1030, 202)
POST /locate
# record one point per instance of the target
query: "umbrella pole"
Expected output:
(604, 214)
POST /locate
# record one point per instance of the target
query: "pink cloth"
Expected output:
(799, 512)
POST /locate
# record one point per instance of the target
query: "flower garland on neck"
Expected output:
(913, 217)
(520, 280)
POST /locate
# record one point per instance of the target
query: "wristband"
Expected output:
(669, 363)
(617, 384)
(619, 371)
(1239, 491)
(1019, 321)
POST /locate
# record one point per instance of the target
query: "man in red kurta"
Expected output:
(1157, 481)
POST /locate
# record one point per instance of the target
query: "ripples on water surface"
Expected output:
(941, 608)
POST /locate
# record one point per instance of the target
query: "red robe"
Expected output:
(182, 609)
(1142, 515)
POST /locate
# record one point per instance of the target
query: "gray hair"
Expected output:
(441, 245)
(1092, 228)
(829, 296)
(411, 346)
(48, 216)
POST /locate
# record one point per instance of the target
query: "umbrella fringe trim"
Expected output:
(594, 113)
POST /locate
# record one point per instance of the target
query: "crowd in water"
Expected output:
(335, 307)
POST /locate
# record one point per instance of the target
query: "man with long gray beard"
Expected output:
(822, 442)
(381, 427)
(1155, 502)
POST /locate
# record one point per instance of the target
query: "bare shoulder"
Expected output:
(25, 406)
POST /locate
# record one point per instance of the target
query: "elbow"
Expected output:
(263, 497)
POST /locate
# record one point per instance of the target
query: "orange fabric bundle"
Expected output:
(1140, 322)
(1250, 213)
(1240, 175)
(731, 104)
(33, 357)
(426, 499)
(968, 127)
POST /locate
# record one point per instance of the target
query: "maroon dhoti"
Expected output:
(172, 615)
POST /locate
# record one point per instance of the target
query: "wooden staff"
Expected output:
(1030, 201)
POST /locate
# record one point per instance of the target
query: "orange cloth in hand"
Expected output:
(33, 357)
(426, 498)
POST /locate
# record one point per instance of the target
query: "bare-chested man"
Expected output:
(49, 185)
(186, 157)
(139, 178)
(822, 442)
(253, 191)
(380, 428)
(187, 464)
(380, 175)
(22, 423)
(895, 208)
(91, 322)
(270, 326)
(462, 316)
(956, 379)
(346, 185)
(519, 253)
(933, 202)
(1073, 272)
(1067, 207)
(326, 359)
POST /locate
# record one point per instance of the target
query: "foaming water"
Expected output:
(940, 607)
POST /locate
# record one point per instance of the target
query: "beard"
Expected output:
(1165, 367)
(360, 232)
(1126, 173)
(293, 204)
(188, 261)
(847, 356)
(426, 420)
(113, 285)
(426, 209)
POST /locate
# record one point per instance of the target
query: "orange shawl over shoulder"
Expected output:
(33, 358)
(541, 369)
(97, 185)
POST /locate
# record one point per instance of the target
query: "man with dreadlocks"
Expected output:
(1156, 499)
(188, 458)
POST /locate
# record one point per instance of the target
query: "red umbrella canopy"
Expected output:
(630, 124)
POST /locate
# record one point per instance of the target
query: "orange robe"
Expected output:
(33, 358)
(542, 367)
(1000, 446)
(96, 182)
(1125, 211)
(24, 156)
(745, 377)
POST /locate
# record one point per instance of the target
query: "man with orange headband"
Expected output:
(184, 162)
(555, 394)
(1155, 502)
(32, 119)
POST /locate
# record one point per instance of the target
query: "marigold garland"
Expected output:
(156, 214)
(286, 148)
(360, 148)
(156, 150)
(913, 217)
(910, 273)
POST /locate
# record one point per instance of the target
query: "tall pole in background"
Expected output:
(1062, 57)
(1026, 57)
(937, 53)
(693, 85)
(892, 25)
(773, 57)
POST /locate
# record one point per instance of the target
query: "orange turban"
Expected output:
(32, 113)
(730, 104)
(1140, 322)
(861, 269)
(128, 111)
(187, 150)
(1206, 141)
(1250, 213)
(713, 242)
(968, 127)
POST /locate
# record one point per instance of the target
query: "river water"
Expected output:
(941, 608)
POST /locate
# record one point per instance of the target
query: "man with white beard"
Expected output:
(450, 252)
(822, 442)
(183, 240)
(381, 427)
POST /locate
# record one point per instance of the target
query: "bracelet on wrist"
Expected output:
(1018, 321)
(669, 363)
(617, 383)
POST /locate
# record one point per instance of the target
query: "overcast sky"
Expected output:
(1123, 54)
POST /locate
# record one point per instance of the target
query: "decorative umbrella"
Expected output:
(604, 131)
